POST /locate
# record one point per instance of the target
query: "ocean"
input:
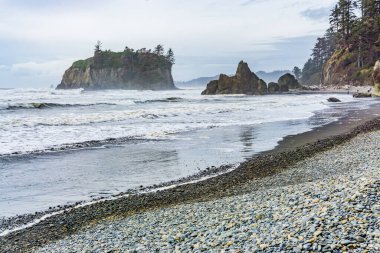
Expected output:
(58, 147)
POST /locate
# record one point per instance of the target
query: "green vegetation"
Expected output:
(98, 46)
(108, 59)
(170, 56)
(352, 43)
(159, 49)
(297, 72)
(139, 60)
(81, 64)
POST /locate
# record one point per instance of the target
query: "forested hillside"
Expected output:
(347, 52)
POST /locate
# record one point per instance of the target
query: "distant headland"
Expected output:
(142, 69)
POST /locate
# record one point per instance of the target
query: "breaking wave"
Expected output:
(166, 100)
(21, 106)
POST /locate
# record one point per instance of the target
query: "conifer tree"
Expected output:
(170, 56)
(297, 72)
(354, 32)
(159, 50)
(98, 47)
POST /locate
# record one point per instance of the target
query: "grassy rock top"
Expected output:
(127, 59)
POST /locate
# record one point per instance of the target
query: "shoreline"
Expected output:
(346, 123)
(334, 207)
(9, 222)
(266, 164)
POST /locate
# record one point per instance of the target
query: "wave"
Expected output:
(72, 146)
(67, 92)
(47, 105)
(165, 100)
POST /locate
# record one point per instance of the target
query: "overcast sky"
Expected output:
(39, 39)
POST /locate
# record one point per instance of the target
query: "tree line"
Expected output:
(158, 50)
(355, 26)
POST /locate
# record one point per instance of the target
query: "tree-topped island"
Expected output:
(136, 70)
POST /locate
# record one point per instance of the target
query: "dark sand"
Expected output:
(289, 151)
(344, 125)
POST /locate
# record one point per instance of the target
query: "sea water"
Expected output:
(63, 146)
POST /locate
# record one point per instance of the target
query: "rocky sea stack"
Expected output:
(244, 82)
(288, 81)
(285, 82)
(134, 70)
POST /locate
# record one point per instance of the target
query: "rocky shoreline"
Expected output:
(72, 221)
(334, 207)
(13, 223)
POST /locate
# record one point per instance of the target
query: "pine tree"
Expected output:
(98, 47)
(335, 19)
(368, 30)
(170, 56)
(98, 57)
(159, 50)
(354, 36)
(297, 72)
(348, 18)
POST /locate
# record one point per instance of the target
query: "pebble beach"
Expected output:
(332, 207)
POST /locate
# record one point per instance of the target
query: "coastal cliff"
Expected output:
(141, 69)
(376, 79)
(342, 69)
(346, 54)
(243, 82)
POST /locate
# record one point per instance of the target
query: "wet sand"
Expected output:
(346, 124)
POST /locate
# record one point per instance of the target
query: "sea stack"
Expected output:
(288, 81)
(243, 82)
(273, 87)
(133, 70)
(376, 79)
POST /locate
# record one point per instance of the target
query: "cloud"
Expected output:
(47, 68)
(33, 34)
(317, 14)
(280, 54)
(245, 3)
(3, 67)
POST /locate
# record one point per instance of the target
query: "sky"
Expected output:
(39, 39)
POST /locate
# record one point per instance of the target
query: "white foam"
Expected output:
(34, 129)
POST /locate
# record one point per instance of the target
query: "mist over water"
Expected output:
(59, 147)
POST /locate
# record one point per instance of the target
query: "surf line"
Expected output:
(46, 216)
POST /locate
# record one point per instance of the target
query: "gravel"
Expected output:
(327, 203)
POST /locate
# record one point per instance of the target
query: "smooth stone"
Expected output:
(360, 239)
(345, 242)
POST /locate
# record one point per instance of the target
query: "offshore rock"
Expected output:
(273, 87)
(362, 95)
(262, 87)
(141, 70)
(284, 88)
(288, 80)
(243, 82)
(333, 100)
